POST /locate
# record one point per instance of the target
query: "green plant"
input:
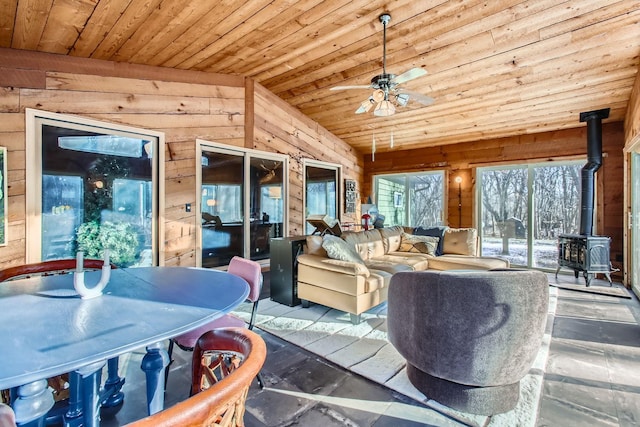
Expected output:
(120, 238)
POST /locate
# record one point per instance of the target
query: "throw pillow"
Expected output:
(461, 241)
(339, 249)
(314, 246)
(435, 232)
(418, 244)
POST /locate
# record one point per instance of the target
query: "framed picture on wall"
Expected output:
(350, 196)
(3, 196)
(398, 199)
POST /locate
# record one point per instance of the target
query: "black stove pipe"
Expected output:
(594, 161)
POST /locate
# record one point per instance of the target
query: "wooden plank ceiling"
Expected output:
(495, 68)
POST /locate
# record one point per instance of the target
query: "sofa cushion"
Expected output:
(339, 249)
(314, 246)
(460, 241)
(391, 237)
(390, 267)
(419, 244)
(435, 232)
(465, 262)
(368, 243)
(400, 261)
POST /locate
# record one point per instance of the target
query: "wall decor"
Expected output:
(350, 196)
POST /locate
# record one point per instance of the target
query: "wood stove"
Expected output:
(584, 252)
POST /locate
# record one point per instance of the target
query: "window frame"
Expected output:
(339, 191)
(531, 204)
(33, 165)
(406, 200)
(247, 154)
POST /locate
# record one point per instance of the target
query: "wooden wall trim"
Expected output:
(29, 60)
(249, 112)
(632, 118)
(21, 78)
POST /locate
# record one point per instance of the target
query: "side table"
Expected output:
(284, 269)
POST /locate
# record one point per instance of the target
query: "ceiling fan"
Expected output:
(386, 90)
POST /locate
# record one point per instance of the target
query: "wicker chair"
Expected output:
(47, 268)
(225, 362)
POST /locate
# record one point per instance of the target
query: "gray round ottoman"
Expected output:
(469, 337)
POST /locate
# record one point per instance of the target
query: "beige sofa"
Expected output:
(355, 286)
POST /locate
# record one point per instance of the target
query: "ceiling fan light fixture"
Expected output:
(365, 106)
(402, 99)
(384, 109)
(385, 86)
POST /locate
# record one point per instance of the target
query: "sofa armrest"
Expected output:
(345, 267)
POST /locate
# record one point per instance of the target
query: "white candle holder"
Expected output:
(78, 277)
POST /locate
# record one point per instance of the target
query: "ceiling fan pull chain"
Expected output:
(373, 148)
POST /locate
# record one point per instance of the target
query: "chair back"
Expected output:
(225, 362)
(7, 416)
(45, 268)
(250, 271)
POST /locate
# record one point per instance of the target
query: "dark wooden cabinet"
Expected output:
(284, 269)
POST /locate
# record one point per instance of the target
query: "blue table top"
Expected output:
(47, 329)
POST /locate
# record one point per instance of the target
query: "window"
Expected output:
(91, 186)
(321, 195)
(414, 200)
(524, 208)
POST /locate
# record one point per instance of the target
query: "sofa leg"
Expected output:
(305, 303)
(355, 318)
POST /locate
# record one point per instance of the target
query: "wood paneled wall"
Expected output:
(184, 105)
(280, 128)
(463, 159)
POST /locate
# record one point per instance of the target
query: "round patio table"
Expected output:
(49, 330)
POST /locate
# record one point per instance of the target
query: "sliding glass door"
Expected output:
(522, 210)
(242, 203)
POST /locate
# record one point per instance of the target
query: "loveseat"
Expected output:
(352, 272)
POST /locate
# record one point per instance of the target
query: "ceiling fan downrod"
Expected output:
(384, 18)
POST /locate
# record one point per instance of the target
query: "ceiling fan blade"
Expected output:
(411, 74)
(350, 87)
(418, 97)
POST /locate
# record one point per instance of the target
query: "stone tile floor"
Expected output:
(593, 370)
(592, 377)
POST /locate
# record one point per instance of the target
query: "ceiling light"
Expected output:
(378, 95)
(365, 106)
(385, 108)
(402, 99)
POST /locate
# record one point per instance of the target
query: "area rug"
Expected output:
(610, 291)
(364, 350)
